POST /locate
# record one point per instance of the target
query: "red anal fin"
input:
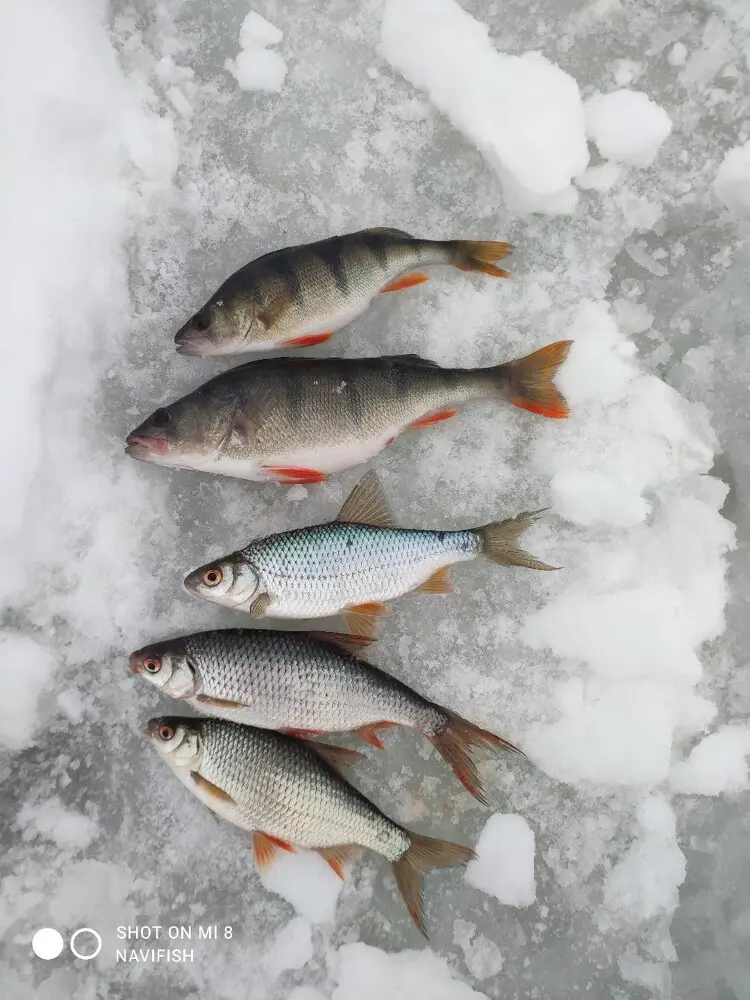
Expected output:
(338, 856)
(496, 272)
(369, 733)
(266, 846)
(405, 281)
(432, 418)
(301, 734)
(310, 340)
(438, 583)
(291, 475)
(557, 411)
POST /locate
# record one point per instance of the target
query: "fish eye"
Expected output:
(152, 664)
(166, 732)
(161, 418)
(202, 320)
(213, 576)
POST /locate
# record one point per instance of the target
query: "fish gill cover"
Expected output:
(144, 161)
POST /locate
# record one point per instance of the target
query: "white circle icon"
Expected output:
(47, 943)
(97, 946)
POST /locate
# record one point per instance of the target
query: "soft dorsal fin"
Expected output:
(367, 504)
(414, 359)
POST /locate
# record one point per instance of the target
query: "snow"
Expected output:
(732, 181)
(367, 973)
(627, 126)
(717, 765)
(53, 821)
(504, 866)
(136, 177)
(523, 113)
(645, 882)
(25, 672)
(306, 881)
(257, 67)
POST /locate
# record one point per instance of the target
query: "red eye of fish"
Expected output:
(152, 664)
(202, 321)
(161, 418)
(212, 576)
(166, 732)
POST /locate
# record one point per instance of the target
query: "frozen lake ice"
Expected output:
(152, 148)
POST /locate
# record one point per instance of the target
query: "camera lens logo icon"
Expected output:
(48, 943)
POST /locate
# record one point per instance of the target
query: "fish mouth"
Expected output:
(189, 344)
(145, 446)
(150, 731)
(135, 663)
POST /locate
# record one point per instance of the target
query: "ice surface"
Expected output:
(627, 126)
(136, 176)
(523, 113)
(504, 866)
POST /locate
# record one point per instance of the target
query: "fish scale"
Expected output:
(298, 681)
(320, 570)
(281, 787)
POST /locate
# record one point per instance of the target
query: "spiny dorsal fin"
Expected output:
(389, 231)
(367, 504)
(415, 359)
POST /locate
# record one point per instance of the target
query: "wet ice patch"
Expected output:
(504, 866)
(523, 113)
(627, 126)
(257, 66)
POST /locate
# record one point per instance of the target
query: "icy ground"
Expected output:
(148, 150)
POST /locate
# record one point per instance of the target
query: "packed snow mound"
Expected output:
(257, 67)
(504, 866)
(732, 182)
(645, 883)
(627, 126)
(523, 113)
(718, 764)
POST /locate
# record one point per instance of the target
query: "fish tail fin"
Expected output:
(479, 255)
(499, 541)
(424, 854)
(527, 382)
(455, 742)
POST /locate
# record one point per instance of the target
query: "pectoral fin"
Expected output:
(210, 702)
(209, 788)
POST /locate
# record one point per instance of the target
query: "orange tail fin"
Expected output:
(478, 255)
(423, 854)
(527, 383)
(455, 743)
